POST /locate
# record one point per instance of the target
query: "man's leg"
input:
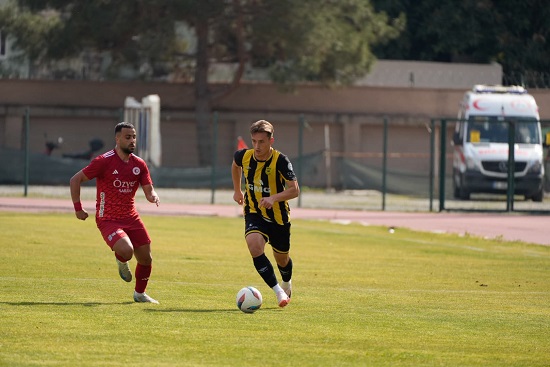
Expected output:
(143, 272)
(284, 263)
(256, 246)
(124, 251)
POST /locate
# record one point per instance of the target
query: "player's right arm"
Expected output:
(75, 183)
(236, 174)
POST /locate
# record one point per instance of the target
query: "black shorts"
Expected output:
(278, 236)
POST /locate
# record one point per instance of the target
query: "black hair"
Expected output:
(123, 125)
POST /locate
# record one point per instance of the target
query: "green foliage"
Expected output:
(362, 296)
(512, 33)
(311, 40)
(322, 41)
(34, 31)
(132, 31)
(308, 40)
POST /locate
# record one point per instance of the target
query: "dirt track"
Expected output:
(509, 227)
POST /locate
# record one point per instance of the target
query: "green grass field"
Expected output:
(361, 297)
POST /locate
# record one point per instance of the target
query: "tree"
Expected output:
(322, 41)
(514, 33)
(325, 41)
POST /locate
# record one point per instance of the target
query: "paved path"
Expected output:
(509, 227)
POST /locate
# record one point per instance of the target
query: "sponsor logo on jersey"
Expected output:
(101, 204)
(259, 187)
(112, 235)
(124, 187)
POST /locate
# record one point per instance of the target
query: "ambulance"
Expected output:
(480, 143)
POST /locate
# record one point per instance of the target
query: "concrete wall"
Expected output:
(251, 97)
(422, 74)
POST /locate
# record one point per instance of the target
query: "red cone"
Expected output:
(241, 144)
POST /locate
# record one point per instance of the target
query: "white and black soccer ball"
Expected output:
(249, 299)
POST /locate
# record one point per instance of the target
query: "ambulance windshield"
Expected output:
(492, 129)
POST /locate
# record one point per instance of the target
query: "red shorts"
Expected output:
(133, 228)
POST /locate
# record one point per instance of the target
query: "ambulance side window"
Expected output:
(461, 126)
(458, 134)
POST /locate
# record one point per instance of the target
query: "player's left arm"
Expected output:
(291, 191)
(150, 194)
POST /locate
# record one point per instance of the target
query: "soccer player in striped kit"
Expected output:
(118, 175)
(270, 182)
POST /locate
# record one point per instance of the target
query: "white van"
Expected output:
(480, 140)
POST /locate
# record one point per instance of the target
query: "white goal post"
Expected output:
(145, 116)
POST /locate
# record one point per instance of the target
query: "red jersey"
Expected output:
(117, 182)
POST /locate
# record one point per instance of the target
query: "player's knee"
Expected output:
(143, 257)
(255, 248)
(145, 260)
(125, 255)
(123, 251)
(281, 259)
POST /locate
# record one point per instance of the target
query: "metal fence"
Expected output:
(508, 198)
(396, 165)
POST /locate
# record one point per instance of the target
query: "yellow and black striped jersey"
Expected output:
(264, 178)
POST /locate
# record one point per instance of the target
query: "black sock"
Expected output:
(265, 269)
(286, 272)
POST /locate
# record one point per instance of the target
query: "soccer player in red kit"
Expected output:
(118, 175)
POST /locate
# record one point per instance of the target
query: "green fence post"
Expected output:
(432, 162)
(442, 161)
(301, 124)
(384, 162)
(214, 158)
(511, 167)
(27, 153)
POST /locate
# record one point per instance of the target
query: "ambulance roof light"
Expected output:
(512, 89)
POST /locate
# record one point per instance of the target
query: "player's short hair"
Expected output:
(262, 126)
(123, 125)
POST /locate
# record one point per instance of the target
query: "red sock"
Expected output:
(142, 277)
(120, 258)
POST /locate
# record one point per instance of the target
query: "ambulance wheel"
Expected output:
(463, 194)
(539, 196)
(459, 191)
(456, 189)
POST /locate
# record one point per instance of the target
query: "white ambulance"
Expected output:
(480, 140)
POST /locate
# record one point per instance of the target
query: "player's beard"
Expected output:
(128, 149)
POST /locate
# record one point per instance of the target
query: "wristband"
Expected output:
(77, 206)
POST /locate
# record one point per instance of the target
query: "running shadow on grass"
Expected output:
(85, 304)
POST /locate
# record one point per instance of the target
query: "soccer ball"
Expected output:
(249, 299)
